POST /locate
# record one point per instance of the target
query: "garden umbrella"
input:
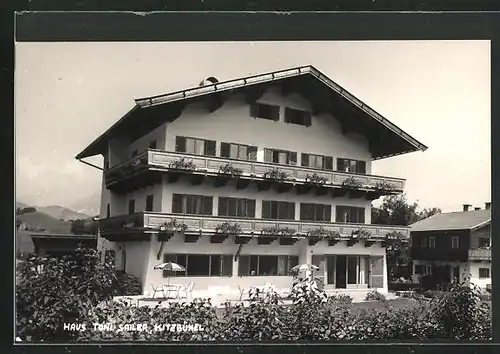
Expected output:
(170, 266)
(303, 267)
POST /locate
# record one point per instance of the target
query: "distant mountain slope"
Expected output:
(59, 212)
(39, 220)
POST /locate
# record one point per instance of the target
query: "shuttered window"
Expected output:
(192, 204)
(317, 161)
(195, 146)
(297, 116)
(352, 166)
(283, 157)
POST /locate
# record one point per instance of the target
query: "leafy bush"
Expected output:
(54, 291)
(375, 295)
(127, 285)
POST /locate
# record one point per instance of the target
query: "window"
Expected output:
(350, 214)
(108, 211)
(278, 210)
(483, 242)
(195, 146)
(192, 204)
(152, 145)
(149, 202)
(352, 166)
(484, 273)
(423, 242)
(134, 153)
(211, 265)
(131, 206)
(239, 207)
(315, 212)
(432, 242)
(280, 156)
(266, 265)
(423, 269)
(265, 111)
(317, 161)
(455, 242)
(297, 116)
(238, 151)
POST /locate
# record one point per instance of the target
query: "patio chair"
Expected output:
(157, 288)
(242, 291)
(187, 290)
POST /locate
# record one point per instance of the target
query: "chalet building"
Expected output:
(241, 180)
(453, 245)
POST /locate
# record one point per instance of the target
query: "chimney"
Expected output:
(477, 208)
(487, 205)
(466, 207)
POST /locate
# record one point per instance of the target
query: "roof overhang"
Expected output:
(62, 236)
(386, 139)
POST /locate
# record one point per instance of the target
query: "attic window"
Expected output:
(265, 111)
(297, 116)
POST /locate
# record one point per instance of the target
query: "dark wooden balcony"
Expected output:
(439, 254)
(141, 226)
(480, 254)
(147, 168)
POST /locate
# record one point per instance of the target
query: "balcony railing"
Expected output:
(480, 254)
(150, 221)
(158, 160)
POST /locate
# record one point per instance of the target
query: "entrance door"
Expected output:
(341, 274)
(330, 270)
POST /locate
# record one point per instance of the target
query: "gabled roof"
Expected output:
(464, 220)
(324, 93)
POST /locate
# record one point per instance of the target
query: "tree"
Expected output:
(396, 210)
(84, 227)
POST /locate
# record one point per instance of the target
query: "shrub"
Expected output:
(54, 291)
(127, 285)
(375, 295)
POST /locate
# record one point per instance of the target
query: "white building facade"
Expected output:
(239, 181)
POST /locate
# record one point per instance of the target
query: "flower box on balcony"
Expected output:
(242, 240)
(191, 238)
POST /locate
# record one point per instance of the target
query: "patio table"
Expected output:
(172, 287)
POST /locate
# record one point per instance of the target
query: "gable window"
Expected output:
(131, 206)
(265, 111)
(192, 204)
(238, 207)
(352, 166)
(455, 242)
(432, 242)
(315, 212)
(238, 151)
(278, 210)
(280, 156)
(152, 145)
(297, 116)
(317, 161)
(195, 146)
(484, 273)
(350, 214)
(483, 242)
(149, 202)
(266, 265)
(423, 242)
(211, 265)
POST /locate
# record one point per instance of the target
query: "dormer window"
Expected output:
(265, 111)
(297, 116)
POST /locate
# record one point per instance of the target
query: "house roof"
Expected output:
(151, 112)
(464, 220)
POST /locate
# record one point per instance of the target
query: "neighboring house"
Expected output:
(453, 245)
(286, 156)
(49, 244)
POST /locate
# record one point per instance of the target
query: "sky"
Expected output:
(67, 94)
